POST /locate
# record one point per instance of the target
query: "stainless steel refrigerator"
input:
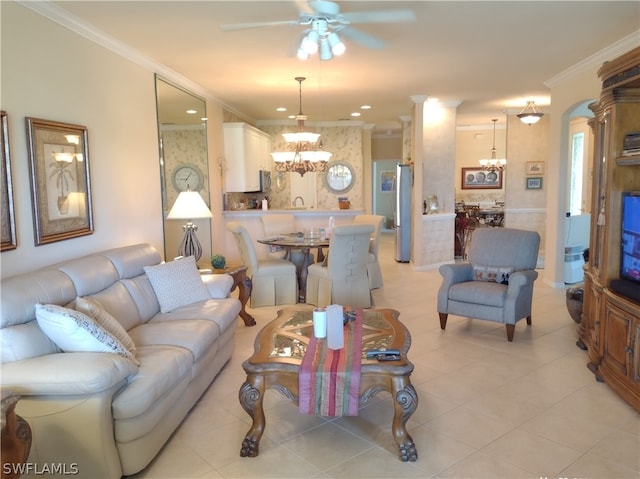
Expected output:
(402, 213)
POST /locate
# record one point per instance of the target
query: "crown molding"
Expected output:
(597, 59)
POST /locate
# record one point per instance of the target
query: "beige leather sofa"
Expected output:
(99, 413)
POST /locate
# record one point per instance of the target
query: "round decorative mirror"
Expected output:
(280, 181)
(339, 177)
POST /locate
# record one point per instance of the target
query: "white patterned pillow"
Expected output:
(177, 283)
(492, 274)
(74, 331)
(95, 310)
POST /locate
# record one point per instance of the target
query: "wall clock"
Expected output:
(187, 177)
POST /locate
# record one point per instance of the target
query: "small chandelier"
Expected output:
(493, 164)
(305, 149)
(530, 114)
(320, 37)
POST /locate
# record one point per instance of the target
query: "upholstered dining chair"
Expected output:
(342, 277)
(496, 283)
(274, 279)
(373, 267)
(279, 224)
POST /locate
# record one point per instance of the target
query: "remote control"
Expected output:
(388, 357)
(374, 353)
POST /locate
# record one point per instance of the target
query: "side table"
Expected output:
(16, 438)
(244, 285)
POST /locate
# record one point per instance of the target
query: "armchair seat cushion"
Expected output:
(479, 292)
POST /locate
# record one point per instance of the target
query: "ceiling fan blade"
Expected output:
(304, 7)
(380, 16)
(361, 37)
(244, 26)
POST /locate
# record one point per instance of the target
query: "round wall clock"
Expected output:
(187, 177)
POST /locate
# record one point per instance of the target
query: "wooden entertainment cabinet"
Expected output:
(610, 327)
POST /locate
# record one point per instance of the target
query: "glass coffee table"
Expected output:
(278, 352)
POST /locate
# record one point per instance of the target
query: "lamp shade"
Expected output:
(189, 205)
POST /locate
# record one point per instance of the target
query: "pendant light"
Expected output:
(304, 148)
(493, 163)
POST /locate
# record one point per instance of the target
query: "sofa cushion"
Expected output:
(196, 335)
(143, 295)
(487, 293)
(494, 274)
(177, 283)
(223, 312)
(161, 369)
(95, 310)
(74, 331)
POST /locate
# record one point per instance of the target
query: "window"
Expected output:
(577, 168)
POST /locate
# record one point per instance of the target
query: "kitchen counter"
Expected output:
(294, 211)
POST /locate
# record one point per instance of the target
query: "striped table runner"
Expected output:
(329, 380)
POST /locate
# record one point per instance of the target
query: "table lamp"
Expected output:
(189, 205)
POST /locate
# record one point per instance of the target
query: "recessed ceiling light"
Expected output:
(192, 112)
(355, 113)
(365, 107)
(281, 108)
(204, 118)
(292, 117)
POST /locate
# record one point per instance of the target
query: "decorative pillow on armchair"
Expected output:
(177, 283)
(493, 274)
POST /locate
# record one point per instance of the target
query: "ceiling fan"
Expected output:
(325, 21)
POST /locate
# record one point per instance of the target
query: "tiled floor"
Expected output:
(487, 408)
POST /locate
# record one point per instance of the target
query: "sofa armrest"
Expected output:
(66, 373)
(219, 285)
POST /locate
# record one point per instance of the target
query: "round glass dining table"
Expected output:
(297, 241)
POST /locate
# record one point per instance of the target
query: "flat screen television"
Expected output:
(629, 283)
(630, 254)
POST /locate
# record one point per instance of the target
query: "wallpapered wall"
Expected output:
(183, 146)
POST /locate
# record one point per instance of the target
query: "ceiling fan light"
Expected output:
(337, 47)
(302, 54)
(310, 42)
(325, 50)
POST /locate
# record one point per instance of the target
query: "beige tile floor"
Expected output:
(487, 408)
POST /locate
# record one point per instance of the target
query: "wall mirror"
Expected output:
(339, 177)
(182, 131)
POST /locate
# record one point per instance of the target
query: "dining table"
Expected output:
(304, 243)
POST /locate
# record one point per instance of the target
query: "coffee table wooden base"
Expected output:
(404, 405)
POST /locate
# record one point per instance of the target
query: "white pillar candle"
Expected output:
(320, 322)
(335, 326)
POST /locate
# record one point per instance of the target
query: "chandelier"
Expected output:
(530, 114)
(304, 148)
(493, 164)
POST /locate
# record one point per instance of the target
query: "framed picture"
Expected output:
(8, 215)
(387, 180)
(534, 168)
(534, 183)
(479, 179)
(60, 181)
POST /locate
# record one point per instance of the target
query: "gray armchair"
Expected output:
(496, 283)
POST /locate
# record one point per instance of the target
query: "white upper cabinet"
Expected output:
(247, 151)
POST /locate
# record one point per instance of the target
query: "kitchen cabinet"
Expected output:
(247, 151)
(610, 328)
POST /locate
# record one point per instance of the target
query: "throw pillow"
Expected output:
(104, 319)
(494, 274)
(74, 331)
(177, 283)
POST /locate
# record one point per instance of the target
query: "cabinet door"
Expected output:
(617, 338)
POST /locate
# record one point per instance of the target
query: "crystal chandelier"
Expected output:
(493, 164)
(304, 148)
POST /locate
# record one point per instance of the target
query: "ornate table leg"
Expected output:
(251, 395)
(245, 286)
(302, 274)
(16, 438)
(404, 405)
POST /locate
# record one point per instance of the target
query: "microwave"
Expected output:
(265, 181)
